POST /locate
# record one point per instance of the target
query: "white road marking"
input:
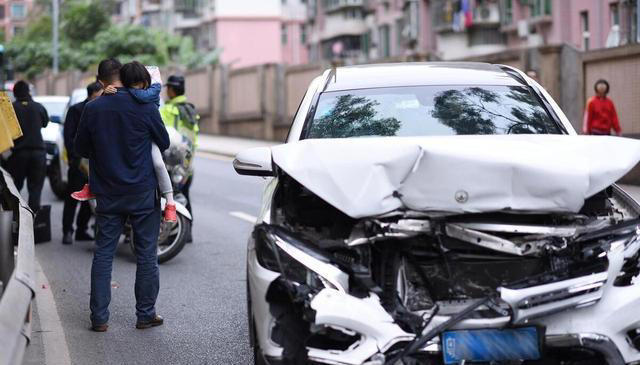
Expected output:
(213, 156)
(56, 350)
(244, 216)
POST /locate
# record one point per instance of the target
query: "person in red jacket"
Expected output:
(600, 116)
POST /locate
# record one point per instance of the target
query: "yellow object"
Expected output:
(171, 117)
(9, 128)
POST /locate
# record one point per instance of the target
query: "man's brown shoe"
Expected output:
(156, 321)
(99, 327)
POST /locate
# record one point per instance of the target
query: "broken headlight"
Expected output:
(298, 261)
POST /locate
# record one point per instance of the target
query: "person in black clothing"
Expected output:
(116, 133)
(28, 159)
(76, 178)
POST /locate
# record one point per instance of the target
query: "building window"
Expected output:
(2, 11)
(189, 8)
(614, 10)
(484, 36)
(385, 41)
(303, 34)
(584, 24)
(366, 44)
(400, 31)
(540, 7)
(17, 30)
(18, 11)
(507, 12)
(352, 14)
(284, 36)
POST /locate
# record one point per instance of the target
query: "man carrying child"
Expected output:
(116, 133)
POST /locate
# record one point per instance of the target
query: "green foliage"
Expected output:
(476, 110)
(81, 22)
(38, 30)
(87, 36)
(353, 116)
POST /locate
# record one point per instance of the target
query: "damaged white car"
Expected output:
(442, 213)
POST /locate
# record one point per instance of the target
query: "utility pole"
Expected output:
(56, 19)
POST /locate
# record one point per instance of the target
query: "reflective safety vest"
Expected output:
(182, 116)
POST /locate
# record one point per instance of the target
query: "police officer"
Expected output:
(28, 159)
(177, 112)
(76, 177)
(181, 115)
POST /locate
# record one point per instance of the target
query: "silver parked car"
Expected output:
(442, 213)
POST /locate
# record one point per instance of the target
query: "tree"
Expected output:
(456, 109)
(353, 116)
(81, 22)
(87, 37)
(476, 110)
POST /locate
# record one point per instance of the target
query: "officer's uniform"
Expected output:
(170, 113)
(171, 118)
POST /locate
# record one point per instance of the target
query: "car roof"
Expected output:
(51, 98)
(417, 74)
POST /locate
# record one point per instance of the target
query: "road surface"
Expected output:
(202, 290)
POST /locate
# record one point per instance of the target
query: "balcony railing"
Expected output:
(333, 5)
(188, 7)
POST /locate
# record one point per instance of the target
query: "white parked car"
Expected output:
(441, 213)
(57, 164)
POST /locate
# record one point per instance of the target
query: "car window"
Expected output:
(430, 111)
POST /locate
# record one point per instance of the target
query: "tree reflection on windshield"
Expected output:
(476, 110)
(353, 117)
(430, 111)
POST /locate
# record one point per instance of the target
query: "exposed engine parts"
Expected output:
(387, 288)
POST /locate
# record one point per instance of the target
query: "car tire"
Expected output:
(58, 186)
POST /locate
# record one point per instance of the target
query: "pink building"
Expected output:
(248, 32)
(13, 16)
(457, 29)
(362, 30)
(252, 32)
(293, 32)
(585, 24)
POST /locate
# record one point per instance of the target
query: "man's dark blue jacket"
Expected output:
(115, 133)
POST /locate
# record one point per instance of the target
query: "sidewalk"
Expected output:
(229, 146)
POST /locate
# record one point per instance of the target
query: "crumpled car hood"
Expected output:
(365, 177)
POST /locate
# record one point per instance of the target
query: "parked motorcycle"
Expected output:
(173, 235)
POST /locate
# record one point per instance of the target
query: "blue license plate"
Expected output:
(487, 345)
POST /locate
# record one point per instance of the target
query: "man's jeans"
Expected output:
(112, 212)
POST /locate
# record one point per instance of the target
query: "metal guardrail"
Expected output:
(15, 303)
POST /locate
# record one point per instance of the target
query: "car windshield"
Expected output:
(54, 108)
(430, 111)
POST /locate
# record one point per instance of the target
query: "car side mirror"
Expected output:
(55, 119)
(254, 162)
